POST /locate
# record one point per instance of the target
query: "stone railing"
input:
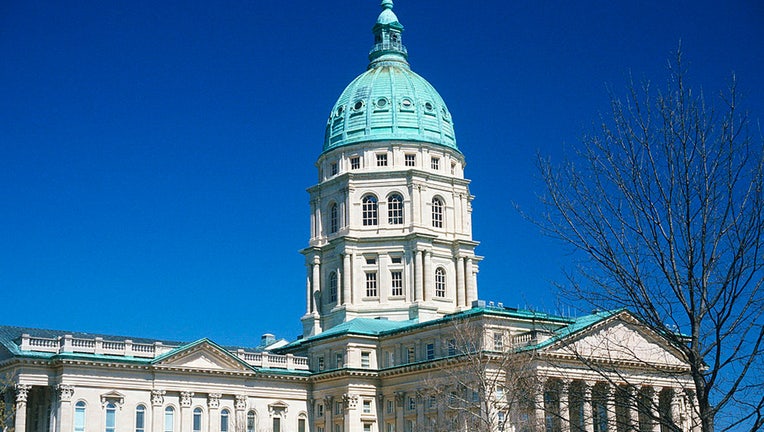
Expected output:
(128, 348)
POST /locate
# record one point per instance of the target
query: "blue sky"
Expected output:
(154, 156)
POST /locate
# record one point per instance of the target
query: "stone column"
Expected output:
(20, 416)
(329, 413)
(400, 407)
(213, 404)
(316, 285)
(565, 405)
(588, 410)
(461, 292)
(346, 281)
(416, 205)
(655, 410)
(610, 404)
(157, 416)
(308, 294)
(349, 403)
(64, 421)
(418, 276)
(470, 281)
(539, 419)
(632, 394)
(428, 285)
(240, 419)
(186, 418)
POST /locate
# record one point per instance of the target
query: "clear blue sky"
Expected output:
(154, 155)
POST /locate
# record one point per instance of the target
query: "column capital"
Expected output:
(65, 392)
(185, 399)
(349, 401)
(157, 397)
(213, 400)
(22, 392)
(241, 402)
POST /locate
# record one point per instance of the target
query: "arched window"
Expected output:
(79, 416)
(251, 421)
(369, 210)
(111, 417)
(440, 282)
(437, 212)
(333, 286)
(169, 419)
(224, 420)
(334, 219)
(140, 418)
(197, 420)
(395, 209)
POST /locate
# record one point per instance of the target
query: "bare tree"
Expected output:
(7, 407)
(484, 385)
(664, 203)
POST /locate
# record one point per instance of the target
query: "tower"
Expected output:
(391, 231)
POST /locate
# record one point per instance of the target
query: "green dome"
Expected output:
(389, 101)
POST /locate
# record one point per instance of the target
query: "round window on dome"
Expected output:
(381, 103)
(428, 106)
(358, 105)
(445, 113)
(407, 105)
(340, 110)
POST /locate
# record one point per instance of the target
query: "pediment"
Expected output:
(203, 356)
(623, 340)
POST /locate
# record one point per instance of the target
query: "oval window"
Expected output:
(381, 102)
(358, 105)
(406, 103)
(340, 110)
(428, 106)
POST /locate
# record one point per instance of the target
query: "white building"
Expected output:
(395, 338)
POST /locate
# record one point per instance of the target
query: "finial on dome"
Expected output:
(387, 4)
(388, 48)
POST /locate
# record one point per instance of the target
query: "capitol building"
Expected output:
(395, 336)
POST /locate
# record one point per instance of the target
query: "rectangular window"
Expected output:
(338, 408)
(334, 168)
(453, 168)
(355, 163)
(276, 424)
(396, 259)
(366, 427)
(169, 419)
(430, 351)
(410, 355)
(390, 427)
(452, 347)
(321, 363)
(371, 260)
(396, 283)
(498, 341)
(412, 404)
(337, 428)
(435, 163)
(79, 417)
(371, 284)
(111, 417)
(365, 359)
(320, 410)
(409, 426)
(410, 160)
(339, 363)
(367, 406)
(381, 159)
(300, 425)
(390, 406)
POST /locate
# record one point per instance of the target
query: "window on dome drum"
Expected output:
(334, 168)
(396, 259)
(251, 421)
(396, 282)
(410, 355)
(371, 284)
(365, 359)
(410, 159)
(334, 218)
(437, 213)
(381, 159)
(355, 163)
(224, 420)
(452, 347)
(111, 417)
(453, 168)
(169, 419)
(369, 210)
(430, 351)
(79, 417)
(140, 418)
(371, 260)
(440, 282)
(338, 361)
(435, 163)
(395, 209)
(333, 286)
(196, 422)
(498, 341)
